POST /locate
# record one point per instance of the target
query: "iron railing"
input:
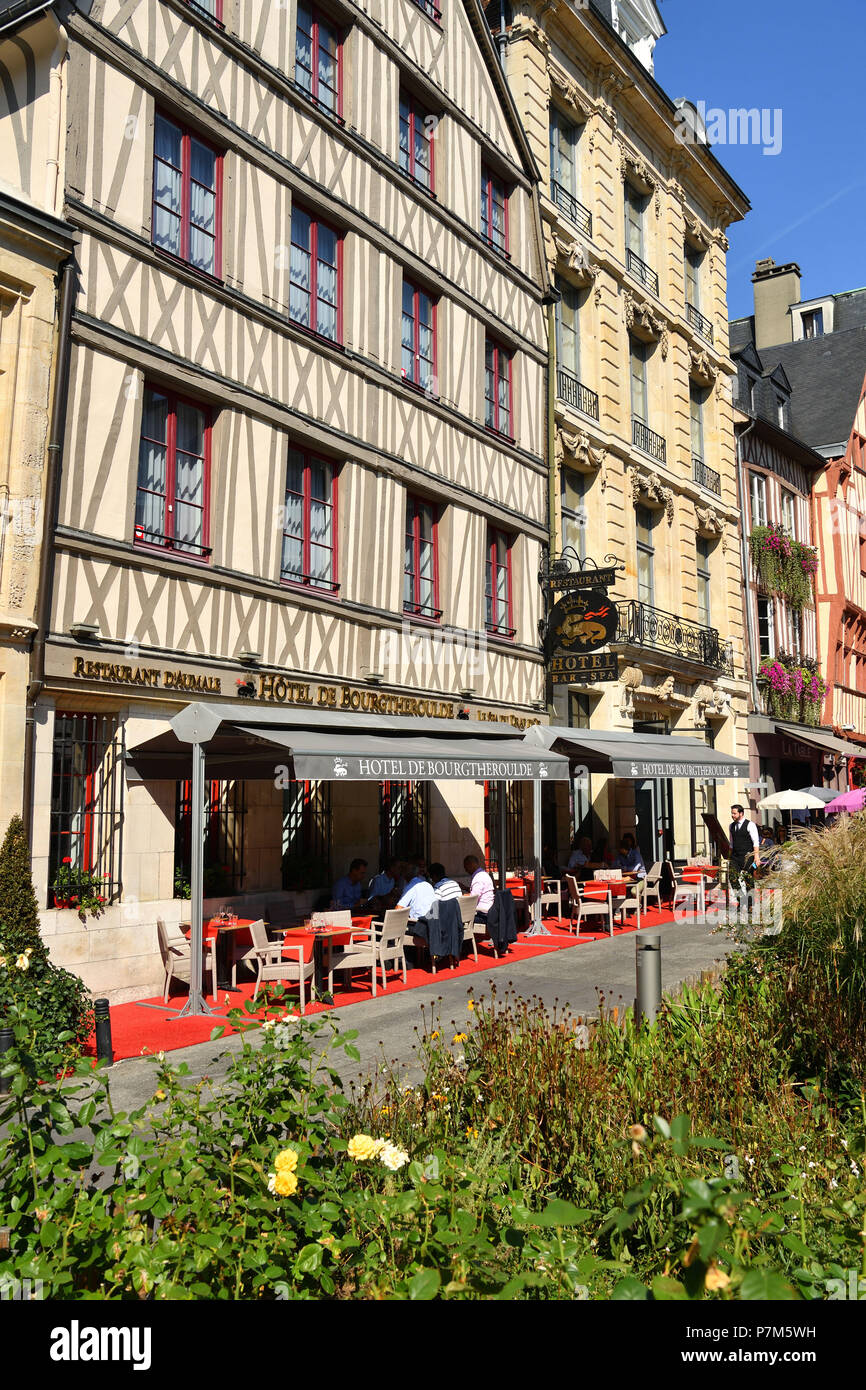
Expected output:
(404, 821)
(225, 811)
(697, 320)
(648, 441)
(86, 826)
(573, 209)
(641, 271)
(642, 625)
(306, 834)
(574, 393)
(706, 477)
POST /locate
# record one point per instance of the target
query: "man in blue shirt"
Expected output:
(630, 858)
(418, 896)
(347, 890)
(384, 883)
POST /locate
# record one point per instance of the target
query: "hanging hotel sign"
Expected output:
(581, 622)
(583, 668)
(569, 571)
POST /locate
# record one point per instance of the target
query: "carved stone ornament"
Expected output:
(568, 91)
(574, 447)
(523, 26)
(710, 702)
(698, 232)
(701, 367)
(645, 483)
(711, 522)
(635, 168)
(642, 320)
(631, 679)
(565, 249)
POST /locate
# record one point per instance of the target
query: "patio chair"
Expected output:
(635, 901)
(653, 883)
(468, 905)
(176, 956)
(385, 942)
(551, 895)
(285, 964)
(598, 904)
(687, 890)
(250, 956)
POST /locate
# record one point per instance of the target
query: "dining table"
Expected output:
(325, 936)
(227, 933)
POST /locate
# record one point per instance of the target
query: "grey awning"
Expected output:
(637, 756)
(818, 738)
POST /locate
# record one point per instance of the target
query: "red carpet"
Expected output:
(136, 1030)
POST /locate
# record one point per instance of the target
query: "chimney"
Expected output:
(776, 288)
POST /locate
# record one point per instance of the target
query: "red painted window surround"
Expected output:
(498, 391)
(186, 209)
(416, 143)
(309, 557)
(494, 211)
(172, 509)
(421, 566)
(316, 275)
(418, 339)
(497, 585)
(319, 59)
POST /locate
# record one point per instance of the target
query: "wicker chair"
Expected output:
(468, 908)
(279, 961)
(598, 904)
(385, 943)
(551, 895)
(175, 950)
(635, 901)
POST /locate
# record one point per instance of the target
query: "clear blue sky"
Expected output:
(809, 200)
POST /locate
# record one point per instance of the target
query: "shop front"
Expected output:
(785, 756)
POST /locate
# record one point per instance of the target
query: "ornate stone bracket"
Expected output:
(635, 168)
(710, 702)
(635, 692)
(699, 234)
(712, 523)
(568, 91)
(565, 248)
(642, 320)
(523, 26)
(631, 679)
(573, 446)
(702, 367)
(646, 483)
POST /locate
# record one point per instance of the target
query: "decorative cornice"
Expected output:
(568, 91)
(641, 317)
(524, 26)
(699, 234)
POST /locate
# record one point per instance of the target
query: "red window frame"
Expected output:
(414, 606)
(492, 407)
(320, 18)
(170, 541)
(187, 136)
(307, 580)
(491, 185)
(416, 117)
(496, 623)
(414, 380)
(313, 251)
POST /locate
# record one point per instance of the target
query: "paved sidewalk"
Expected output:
(386, 1026)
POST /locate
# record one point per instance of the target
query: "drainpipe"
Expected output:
(744, 555)
(46, 551)
(550, 300)
(502, 36)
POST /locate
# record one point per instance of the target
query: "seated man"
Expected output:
(347, 890)
(481, 886)
(383, 890)
(443, 887)
(630, 858)
(418, 896)
(581, 856)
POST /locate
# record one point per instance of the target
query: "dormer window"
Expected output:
(813, 323)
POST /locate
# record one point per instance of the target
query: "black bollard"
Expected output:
(7, 1037)
(104, 1049)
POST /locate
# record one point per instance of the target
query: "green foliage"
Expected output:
(80, 889)
(784, 566)
(19, 911)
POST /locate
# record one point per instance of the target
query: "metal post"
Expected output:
(196, 1003)
(537, 928)
(102, 1016)
(7, 1037)
(648, 969)
(503, 833)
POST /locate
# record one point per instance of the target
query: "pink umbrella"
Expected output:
(848, 801)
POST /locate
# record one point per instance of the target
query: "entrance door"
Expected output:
(653, 804)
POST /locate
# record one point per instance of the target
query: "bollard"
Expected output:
(104, 1049)
(648, 968)
(7, 1037)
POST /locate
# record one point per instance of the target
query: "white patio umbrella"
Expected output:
(791, 801)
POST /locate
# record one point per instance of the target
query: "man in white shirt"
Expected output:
(481, 885)
(443, 887)
(419, 896)
(745, 844)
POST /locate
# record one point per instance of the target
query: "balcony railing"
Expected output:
(648, 441)
(706, 477)
(641, 271)
(644, 626)
(697, 320)
(574, 211)
(573, 392)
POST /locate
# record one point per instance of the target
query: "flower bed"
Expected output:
(784, 566)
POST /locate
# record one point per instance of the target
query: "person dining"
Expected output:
(630, 859)
(444, 887)
(581, 853)
(347, 890)
(418, 896)
(384, 887)
(481, 886)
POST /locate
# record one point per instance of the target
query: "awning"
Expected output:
(818, 738)
(621, 753)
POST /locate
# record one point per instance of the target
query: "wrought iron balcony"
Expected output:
(573, 392)
(574, 211)
(706, 477)
(697, 320)
(641, 625)
(646, 440)
(641, 271)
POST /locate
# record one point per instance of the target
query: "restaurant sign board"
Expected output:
(347, 768)
(580, 623)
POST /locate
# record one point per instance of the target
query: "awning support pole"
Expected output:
(196, 1003)
(537, 928)
(503, 833)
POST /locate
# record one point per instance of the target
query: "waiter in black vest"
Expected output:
(745, 843)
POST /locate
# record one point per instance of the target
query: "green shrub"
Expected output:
(19, 911)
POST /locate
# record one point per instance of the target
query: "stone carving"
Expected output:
(701, 366)
(568, 91)
(631, 679)
(697, 231)
(573, 446)
(710, 521)
(710, 702)
(564, 247)
(635, 692)
(523, 26)
(640, 316)
(646, 483)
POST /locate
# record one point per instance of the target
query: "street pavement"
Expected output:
(387, 1025)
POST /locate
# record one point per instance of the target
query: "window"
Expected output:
(568, 329)
(420, 576)
(758, 495)
(187, 190)
(563, 152)
(315, 275)
(317, 58)
(693, 261)
(638, 357)
(419, 338)
(497, 388)
(494, 211)
(795, 623)
(306, 840)
(429, 9)
(497, 585)
(171, 505)
(404, 821)
(645, 521)
(635, 204)
(225, 809)
(213, 8)
(750, 392)
(697, 396)
(703, 573)
(416, 143)
(781, 412)
(789, 513)
(309, 525)
(514, 843)
(572, 494)
(766, 629)
(813, 323)
(86, 807)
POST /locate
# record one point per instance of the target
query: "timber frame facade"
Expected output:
(303, 456)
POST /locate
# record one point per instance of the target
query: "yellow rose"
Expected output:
(286, 1161)
(285, 1184)
(716, 1278)
(363, 1146)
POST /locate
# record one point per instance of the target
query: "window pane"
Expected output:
(327, 85)
(304, 49)
(167, 186)
(299, 268)
(405, 135)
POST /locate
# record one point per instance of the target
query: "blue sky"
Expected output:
(809, 200)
